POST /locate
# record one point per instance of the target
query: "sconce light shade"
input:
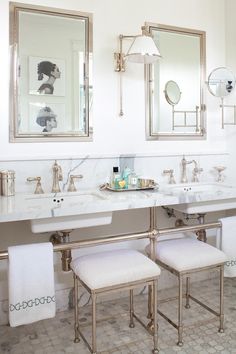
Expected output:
(143, 50)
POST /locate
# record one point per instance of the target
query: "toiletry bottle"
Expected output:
(133, 180)
(115, 178)
(125, 175)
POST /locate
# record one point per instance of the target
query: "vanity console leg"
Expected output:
(201, 234)
(63, 237)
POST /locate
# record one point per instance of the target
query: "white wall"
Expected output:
(112, 133)
(230, 7)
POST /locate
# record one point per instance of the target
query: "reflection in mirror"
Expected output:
(51, 82)
(172, 92)
(172, 95)
(182, 65)
(221, 83)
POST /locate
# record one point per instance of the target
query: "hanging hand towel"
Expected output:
(226, 241)
(31, 283)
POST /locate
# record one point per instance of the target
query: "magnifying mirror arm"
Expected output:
(223, 106)
(185, 113)
(222, 113)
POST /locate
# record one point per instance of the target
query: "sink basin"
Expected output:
(197, 188)
(202, 197)
(60, 205)
(62, 200)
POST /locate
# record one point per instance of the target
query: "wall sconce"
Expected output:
(142, 50)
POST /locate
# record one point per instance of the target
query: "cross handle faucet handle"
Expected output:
(196, 172)
(72, 187)
(38, 188)
(171, 173)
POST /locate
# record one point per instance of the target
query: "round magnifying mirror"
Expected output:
(221, 82)
(172, 92)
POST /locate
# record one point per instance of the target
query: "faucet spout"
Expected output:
(57, 176)
(184, 164)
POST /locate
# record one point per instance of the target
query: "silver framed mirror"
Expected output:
(182, 65)
(51, 88)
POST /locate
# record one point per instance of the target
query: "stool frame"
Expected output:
(150, 282)
(181, 275)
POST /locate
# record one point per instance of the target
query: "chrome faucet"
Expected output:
(184, 164)
(57, 176)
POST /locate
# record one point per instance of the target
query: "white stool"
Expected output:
(183, 257)
(114, 270)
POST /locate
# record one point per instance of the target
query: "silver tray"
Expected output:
(107, 186)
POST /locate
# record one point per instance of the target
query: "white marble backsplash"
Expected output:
(97, 170)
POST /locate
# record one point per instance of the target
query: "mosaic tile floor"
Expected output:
(55, 336)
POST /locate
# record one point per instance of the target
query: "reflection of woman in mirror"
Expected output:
(46, 118)
(52, 71)
(229, 86)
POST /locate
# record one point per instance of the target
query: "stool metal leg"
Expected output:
(149, 315)
(187, 305)
(94, 341)
(221, 329)
(155, 329)
(76, 340)
(131, 309)
(180, 312)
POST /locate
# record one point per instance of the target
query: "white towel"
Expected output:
(226, 241)
(31, 283)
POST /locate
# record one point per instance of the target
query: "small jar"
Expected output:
(7, 183)
(133, 180)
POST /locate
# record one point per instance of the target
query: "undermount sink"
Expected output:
(202, 197)
(62, 203)
(197, 188)
(60, 200)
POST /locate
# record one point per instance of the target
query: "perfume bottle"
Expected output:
(115, 178)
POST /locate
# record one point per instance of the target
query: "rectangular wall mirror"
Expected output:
(175, 107)
(51, 74)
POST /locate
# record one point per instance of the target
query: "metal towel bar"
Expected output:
(126, 237)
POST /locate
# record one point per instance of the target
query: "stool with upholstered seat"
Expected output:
(183, 257)
(114, 270)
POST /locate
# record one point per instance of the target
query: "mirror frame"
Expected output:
(150, 134)
(15, 136)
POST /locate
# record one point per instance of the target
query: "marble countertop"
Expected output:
(31, 206)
